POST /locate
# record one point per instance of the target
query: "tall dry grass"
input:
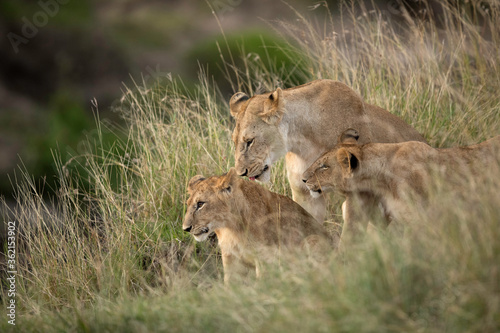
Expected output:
(109, 254)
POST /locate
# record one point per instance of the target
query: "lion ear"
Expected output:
(347, 160)
(193, 182)
(227, 182)
(235, 103)
(274, 108)
(349, 136)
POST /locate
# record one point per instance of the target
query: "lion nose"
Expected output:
(245, 173)
(188, 229)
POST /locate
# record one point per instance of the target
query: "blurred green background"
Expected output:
(63, 60)
(60, 61)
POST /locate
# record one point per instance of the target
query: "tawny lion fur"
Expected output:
(395, 174)
(303, 123)
(252, 224)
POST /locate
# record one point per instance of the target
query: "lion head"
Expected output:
(258, 142)
(208, 206)
(332, 170)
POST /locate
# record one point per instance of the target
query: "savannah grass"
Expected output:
(110, 255)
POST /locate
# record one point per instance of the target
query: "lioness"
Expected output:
(303, 123)
(393, 173)
(251, 223)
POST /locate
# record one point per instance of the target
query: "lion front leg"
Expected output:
(228, 265)
(300, 193)
(233, 267)
(355, 210)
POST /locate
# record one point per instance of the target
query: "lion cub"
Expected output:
(395, 174)
(252, 224)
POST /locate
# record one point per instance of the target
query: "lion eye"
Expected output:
(249, 142)
(323, 167)
(199, 204)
